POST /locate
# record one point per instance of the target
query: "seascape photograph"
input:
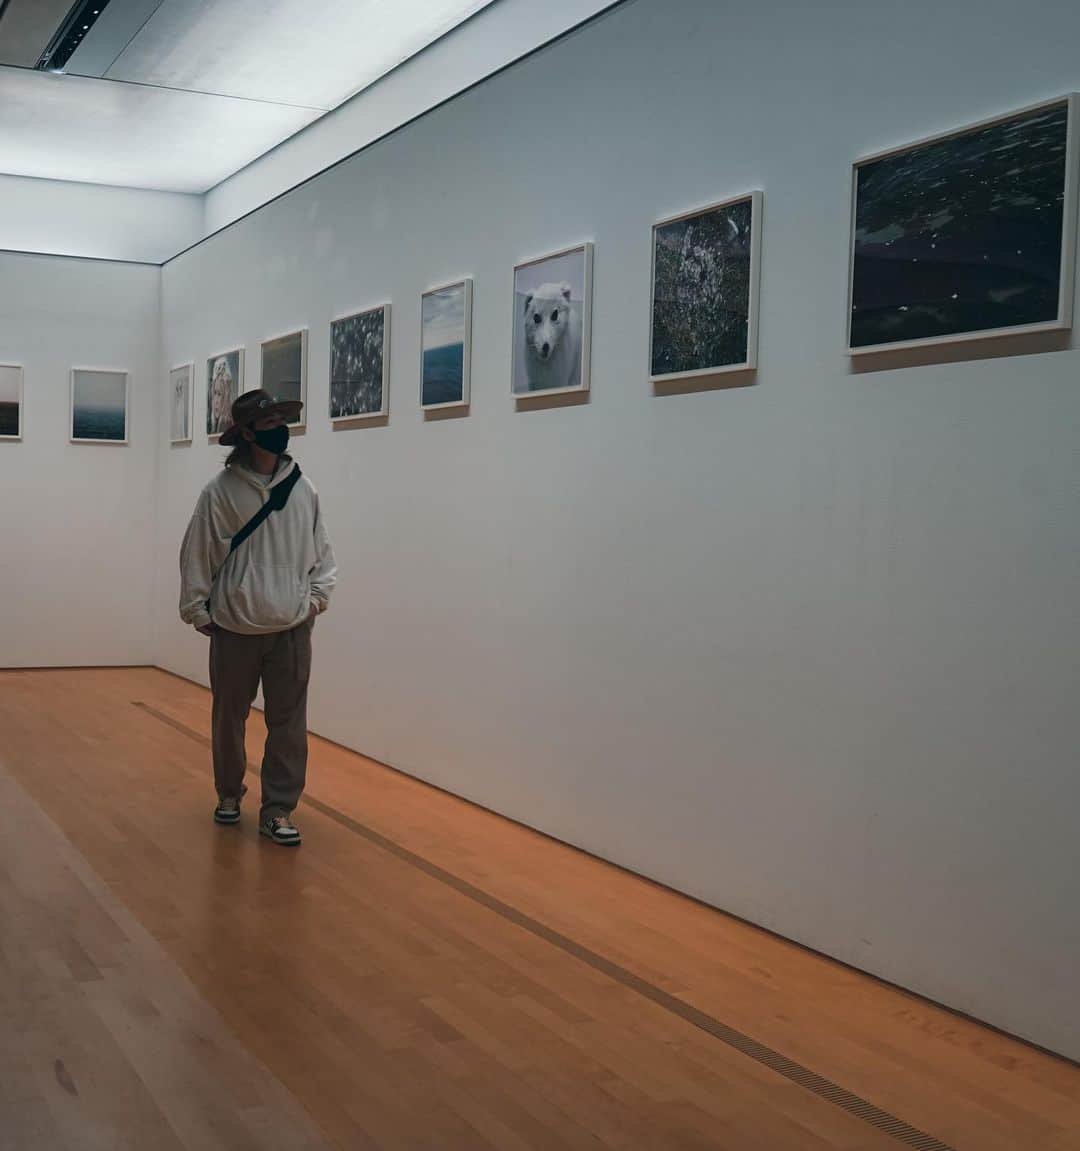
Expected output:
(961, 235)
(284, 368)
(359, 365)
(701, 293)
(98, 406)
(552, 306)
(11, 385)
(445, 335)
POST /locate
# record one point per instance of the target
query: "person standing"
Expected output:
(256, 568)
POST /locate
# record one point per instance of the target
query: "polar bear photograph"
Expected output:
(551, 323)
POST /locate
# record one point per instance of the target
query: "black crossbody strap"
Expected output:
(279, 497)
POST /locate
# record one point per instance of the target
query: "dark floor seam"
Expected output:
(780, 1064)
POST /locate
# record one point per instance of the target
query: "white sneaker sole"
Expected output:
(290, 841)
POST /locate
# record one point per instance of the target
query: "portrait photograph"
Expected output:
(224, 382)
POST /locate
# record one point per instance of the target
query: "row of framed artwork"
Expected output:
(98, 411)
(966, 235)
(552, 334)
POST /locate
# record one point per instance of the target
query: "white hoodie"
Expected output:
(272, 579)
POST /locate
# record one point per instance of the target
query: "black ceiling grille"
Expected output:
(70, 34)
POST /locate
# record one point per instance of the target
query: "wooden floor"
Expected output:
(421, 974)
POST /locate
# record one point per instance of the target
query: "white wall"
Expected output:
(491, 39)
(806, 649)
(71, 219)
(77, 520)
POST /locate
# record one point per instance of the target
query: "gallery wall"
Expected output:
(77, 520)
(66, 218)
(495, 36)
(804, 648)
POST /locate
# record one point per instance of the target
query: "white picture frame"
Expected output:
(752, 241)
(382, 371)
(215, 412)
(98, 413)
(12, 381)
(465, 284)
(1063, 319)
(272, 385)
(578, 364)
(173, 400)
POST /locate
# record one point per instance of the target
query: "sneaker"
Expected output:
(227, 810)
(280, 829)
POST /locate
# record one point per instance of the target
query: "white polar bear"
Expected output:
(552, 331)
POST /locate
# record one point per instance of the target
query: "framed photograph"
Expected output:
(99, 406)
(224, 382)
(360, 365)
(11, 398)
(553, 323)
(284, 368)
(705, 274)
(967, 235)
(446, 346)
(181, 399)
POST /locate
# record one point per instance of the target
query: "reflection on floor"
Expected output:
(421, 974)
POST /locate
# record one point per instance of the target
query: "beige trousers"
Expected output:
(282, 662)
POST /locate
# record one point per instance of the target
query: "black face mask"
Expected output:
(274, 440)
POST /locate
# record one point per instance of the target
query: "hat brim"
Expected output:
(290, 409)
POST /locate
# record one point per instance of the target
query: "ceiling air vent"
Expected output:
(69, 35)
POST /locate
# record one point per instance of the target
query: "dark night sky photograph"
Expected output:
(962, 234)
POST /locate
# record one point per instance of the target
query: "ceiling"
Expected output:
(177, 95)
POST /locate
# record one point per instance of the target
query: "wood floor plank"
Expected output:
(405, 1011)
(105, 1043)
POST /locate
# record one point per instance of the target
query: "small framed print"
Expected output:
(705, 285)
(99, 406)
(553, 323)
(224, 382)
(284, 369)
(360, 365)
(11, 401)
(181, 400)
(446, 346)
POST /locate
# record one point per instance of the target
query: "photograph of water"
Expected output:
(284, 367)
(11, 382)
(358, 353)
(98, 405)
(701, 291)
(963, 234)
(444, 335)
